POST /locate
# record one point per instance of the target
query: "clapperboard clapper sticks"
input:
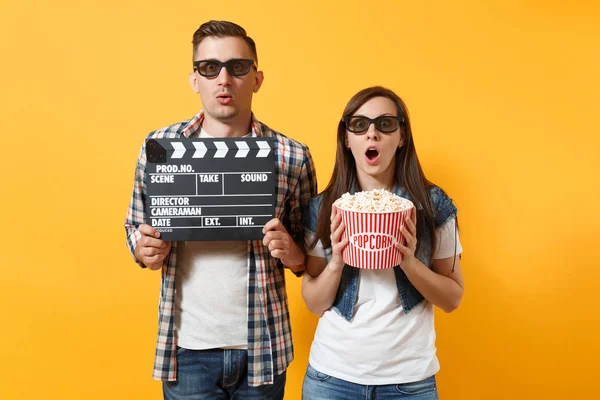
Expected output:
(210, 189)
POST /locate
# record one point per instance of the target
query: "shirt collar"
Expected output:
(195, 124)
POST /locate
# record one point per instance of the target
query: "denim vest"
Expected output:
(347, 294)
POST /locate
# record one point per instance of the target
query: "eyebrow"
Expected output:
(381, 115)
(232, 58)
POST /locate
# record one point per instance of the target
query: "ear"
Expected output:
(193, 77)
(259, 76)
(401, 143)
(346, 141)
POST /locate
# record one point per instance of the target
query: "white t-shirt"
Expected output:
(381, 345)
(211, 297)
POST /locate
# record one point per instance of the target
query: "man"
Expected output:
(224, 326)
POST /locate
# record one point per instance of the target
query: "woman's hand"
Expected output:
(337, 244)
(409, 231)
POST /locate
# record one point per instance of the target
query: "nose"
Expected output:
(372, 133)
(224, 79)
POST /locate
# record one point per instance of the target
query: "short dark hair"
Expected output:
(223, 29)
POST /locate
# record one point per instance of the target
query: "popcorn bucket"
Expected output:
(371, 237)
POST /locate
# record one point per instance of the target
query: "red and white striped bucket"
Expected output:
(371, 238)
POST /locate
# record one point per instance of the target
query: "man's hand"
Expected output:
(281, 245)
(150, 250)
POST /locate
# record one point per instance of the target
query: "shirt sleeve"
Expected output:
(448, 242)
(318, 250)
(136, 212)
(305, 190)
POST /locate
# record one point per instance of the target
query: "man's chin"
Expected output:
(223, 115)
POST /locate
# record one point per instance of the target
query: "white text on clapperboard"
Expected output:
(179, 206)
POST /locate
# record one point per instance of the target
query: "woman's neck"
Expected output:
(382, 181)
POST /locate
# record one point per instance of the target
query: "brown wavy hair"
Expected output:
(408, 172)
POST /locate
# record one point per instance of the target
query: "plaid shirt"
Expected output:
(270, 348)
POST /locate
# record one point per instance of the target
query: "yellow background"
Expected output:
(504, 103)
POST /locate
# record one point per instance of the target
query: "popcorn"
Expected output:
(372, 222)
(373, 201)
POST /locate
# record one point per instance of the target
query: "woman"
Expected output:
(376, 336)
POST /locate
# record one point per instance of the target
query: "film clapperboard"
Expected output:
(210, 189)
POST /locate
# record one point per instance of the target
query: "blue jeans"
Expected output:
(320, 386)
(217, 374)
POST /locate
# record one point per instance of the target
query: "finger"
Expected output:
(278, 253)
(147, 252)
(410, 239)
(338, 218)
(335, 223)
(413, 216)
(411, 225)
(147, 230)
(148, 241)
(340, 245)
(334, 212)
(334, 233)
(403, 249)
(410, 229)
(339, 231)
(273, 235)
(157, 258)
(151, 254)
(405, 232)
(275, 244)
(274, 224)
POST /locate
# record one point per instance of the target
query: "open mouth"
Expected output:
(372, 154)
